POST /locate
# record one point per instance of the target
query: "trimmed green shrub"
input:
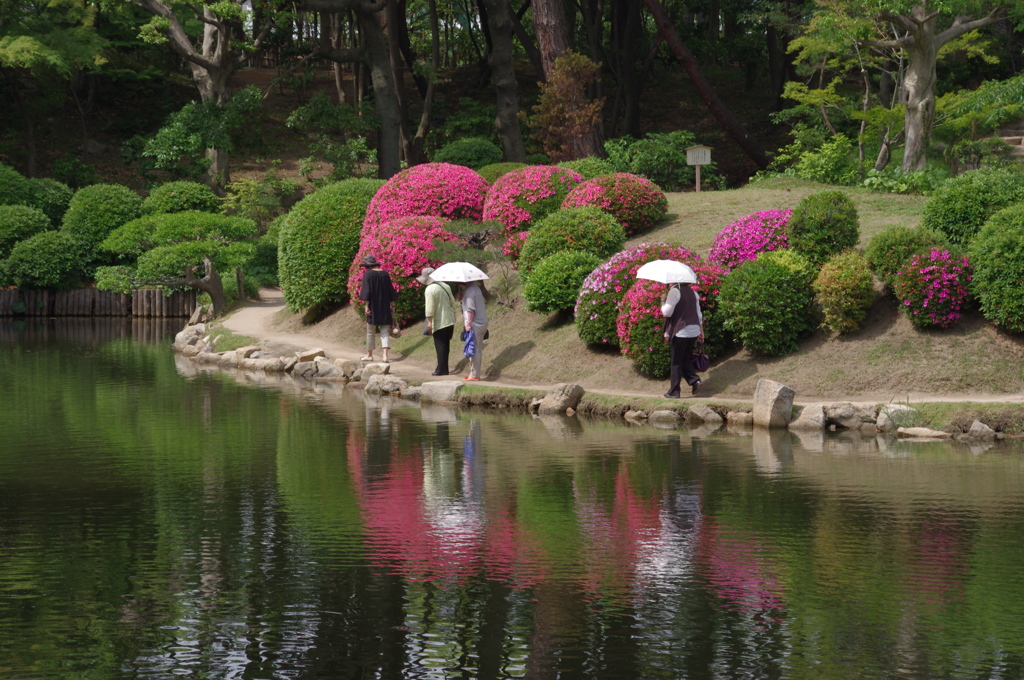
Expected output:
(997, 253)
(588, 229)
(589, 167)
(473, 152)
(52, 197)
(822, 225)
(766, 302)
(175, 197)
(319, 238)
(97, 210)
(555, 282)
(845, 290)
(889, 250)
(50, 260)
(14, 188)
(262, 269)
(17, 223)
(963, 204)
(492, 172)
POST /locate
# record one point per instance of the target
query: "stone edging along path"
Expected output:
(772, 405)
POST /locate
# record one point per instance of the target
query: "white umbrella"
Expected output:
(458, 272)
(667, 271)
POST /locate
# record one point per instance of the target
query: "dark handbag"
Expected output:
(701, 361)
(487, 333)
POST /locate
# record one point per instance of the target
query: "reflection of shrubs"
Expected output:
(524, 196)
(402, 247)
(844, 290)
(932, 288)
(492, 172)
(99, 209)
(555, 282)
(180, 196)
(822, 225)
(474, 152)
(17, 223)
(997, 253)
(589, 167)
(587, 229)
(964, 203)
(451, 192)
(50, 260)
(889, 250)
(319, 238)
(52, 197)
(746, 238)
(636, 202)
(766, 303)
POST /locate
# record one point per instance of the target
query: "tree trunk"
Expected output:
(503, 77)
(919, 102)
(552, 36)
(398, 67)
(419, 141)
(525, 40)
(384, 97)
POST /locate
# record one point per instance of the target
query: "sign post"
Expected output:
(697, 156)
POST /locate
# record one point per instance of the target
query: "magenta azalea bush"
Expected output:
(635, 202)
(745, 239)
(521, 197)
(401, 246)
(639, 324)
(451, 192)
(932, 288)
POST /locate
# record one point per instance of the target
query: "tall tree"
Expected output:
(503, 78)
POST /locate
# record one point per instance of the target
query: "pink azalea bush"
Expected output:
(640, 322)
(451, 192)
(635, 202)
(401, 247)
(932, 288)
(521, 197)
(744, 239)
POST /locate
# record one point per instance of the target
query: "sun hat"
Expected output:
(424, 276)
(369, 261)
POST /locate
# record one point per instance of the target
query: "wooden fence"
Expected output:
(93, 302)
(153, 302)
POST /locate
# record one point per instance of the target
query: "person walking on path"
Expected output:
(684, 325)
(379, 295)
(474, 315)
(439, 307)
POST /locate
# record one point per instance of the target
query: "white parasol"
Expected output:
(458, 272)
(667, 271)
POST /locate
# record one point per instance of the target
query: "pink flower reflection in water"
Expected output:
(738, 569)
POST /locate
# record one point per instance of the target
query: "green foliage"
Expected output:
(469, 118)
(973, 153)
(964, 203)
(832, 163)
(964, 115)
(822, 225)
(49, 260)
(99, 209)
(180, 196)
(319, 238)
(766, 303)
(74, 172)
(555, 282)
(660, 157)
(495, 170)
(997, 253)
(587, 229)
(14, 188)
(17, 223)
(537, 159)
(844, 290)
(337, 134)
(589, 167)
(52, 197)
(894, 180)
(889, 250)
(261, 200)
(475, 152)
(564, 113)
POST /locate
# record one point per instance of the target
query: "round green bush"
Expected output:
(319, 238)
(473, 152)
(555, 282)
(889, 250)
(52, 197)
(822, 225)
(15, 189)
(845, 290)
(495, 170)
(17, 223)
(766, 302)
(175, 197)
(50, 260)
(589, 167)
(588, 229)
(99, 209)
(962, 205)
(997, 253)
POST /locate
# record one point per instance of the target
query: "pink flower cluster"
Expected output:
(745, 239)
(636, 202)
(401, 247)
(514, 244)
(443, 190)
(933, 288)
(521, 197)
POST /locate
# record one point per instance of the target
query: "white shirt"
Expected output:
(691, 331)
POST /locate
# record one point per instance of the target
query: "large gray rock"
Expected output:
(739, 418)
(704, 413)
(560, 398)
(348, 367)
(850, 416)
(310, 354)
(664, 418)
(891, 415)
(289, 364)
(922, 432)
(812, 417)
(632, 416)
(187, 337)
(412, 393)
(228, 359)
(381, 384)
(247, 351)
(370, 370)
(439, 391)
(773, 404)
(305, 369)
(980, 430)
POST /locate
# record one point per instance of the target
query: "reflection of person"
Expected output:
(683, 326)
(439, 306)
(379, 296)
(474, 315)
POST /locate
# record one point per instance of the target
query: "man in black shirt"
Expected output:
(379, 295)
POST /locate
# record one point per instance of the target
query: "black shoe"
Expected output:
(670, 396)
(694, 387)
(439, 373)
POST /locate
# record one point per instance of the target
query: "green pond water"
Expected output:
(157, 522)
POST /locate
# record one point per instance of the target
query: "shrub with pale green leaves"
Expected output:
(822, 225)
(844, 290)
(555, 282)
(180, 196)
(473, 152)
(17, 223)
(589, 167)
(15, 189)
(97, 210)
(890, 249)
(962, 205)
(492, 172)
(52, 197)
(588, 229)
(49, 260)
(997, 253)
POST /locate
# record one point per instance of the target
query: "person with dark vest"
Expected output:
(684, 325)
